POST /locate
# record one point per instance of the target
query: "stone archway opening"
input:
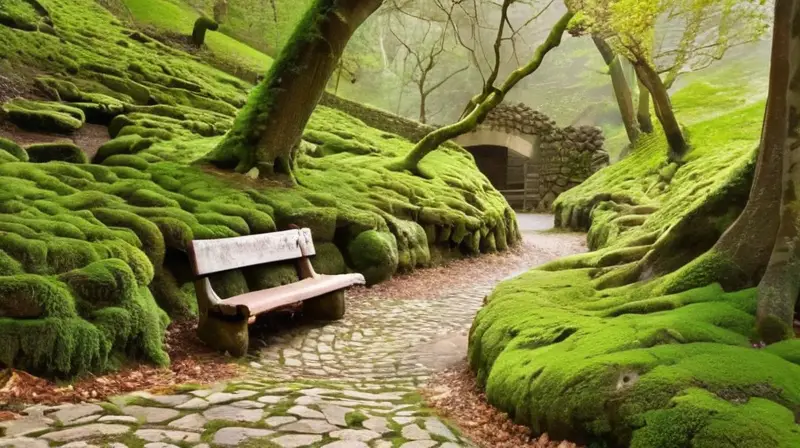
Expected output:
(529, 159)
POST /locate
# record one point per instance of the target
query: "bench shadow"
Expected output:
(280, 323)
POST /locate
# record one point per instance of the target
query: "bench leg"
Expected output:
(224, 334)
(326, 307)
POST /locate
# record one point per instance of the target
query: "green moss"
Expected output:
(328, 260)
(374, 254)
(129, 144)
(355, 419)
(702, 419)
(229, 283)
(138, 92)
(321, 221)
(145, 132)
(103, 283)
(13, 149)
(32, 296)
(47, 152)
(35, 117)
(269, 276)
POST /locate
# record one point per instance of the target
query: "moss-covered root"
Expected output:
(44, 116)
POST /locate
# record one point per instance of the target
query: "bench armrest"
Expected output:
(208, 300)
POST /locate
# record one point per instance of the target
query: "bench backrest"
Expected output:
(210, 256)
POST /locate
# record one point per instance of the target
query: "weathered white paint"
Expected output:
(231, 253)
(523, 144)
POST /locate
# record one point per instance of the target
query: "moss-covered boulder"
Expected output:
(50, 152)
(374, 254)
(13, 149)
(44, 116)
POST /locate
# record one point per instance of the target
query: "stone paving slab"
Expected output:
(346, 384)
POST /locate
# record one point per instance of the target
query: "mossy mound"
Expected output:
(631, 368)
(634, 344)
(50, 152)
(44, 116)
(25, 15)
(66, 223)
(374, 254)
(13, 150)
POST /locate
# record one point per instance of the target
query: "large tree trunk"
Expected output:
(622, 90)
(643, 111)
(466, 124)
(748, 242)
(780, 285)
(663, 107)
(267, 131)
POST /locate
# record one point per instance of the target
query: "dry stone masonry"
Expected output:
(562, 157)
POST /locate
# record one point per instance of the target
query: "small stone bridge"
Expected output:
(522, 151)
(530, 159)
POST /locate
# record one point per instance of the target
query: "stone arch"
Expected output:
(541, 159)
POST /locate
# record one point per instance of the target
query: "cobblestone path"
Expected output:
(346, 384)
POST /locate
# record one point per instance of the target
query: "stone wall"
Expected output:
(377, 118)
(563, 158)
(567, 157)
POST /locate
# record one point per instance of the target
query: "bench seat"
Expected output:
(223, 323)
(258, 302)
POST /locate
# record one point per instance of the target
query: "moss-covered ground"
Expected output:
(178, 17)
(93, 252)
(633, 344)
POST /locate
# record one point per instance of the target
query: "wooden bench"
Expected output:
(224, 322)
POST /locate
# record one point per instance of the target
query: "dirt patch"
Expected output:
(13, 85)
(192, 362)
(455, 394)
(89, 137)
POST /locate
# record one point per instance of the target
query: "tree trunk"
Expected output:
(748, 242)
(622, 91)
(423, 77)
(664, 112)
(466, 124)
(643, 112)
(780, 285)
(268, 129)
(422, 100)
